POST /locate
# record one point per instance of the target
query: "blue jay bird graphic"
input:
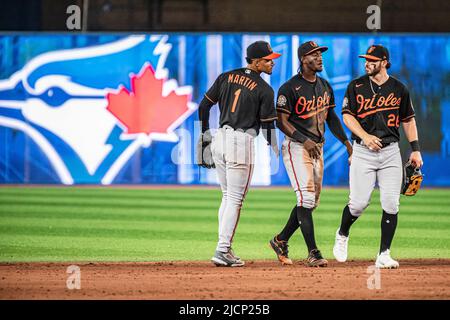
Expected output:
(59, 99)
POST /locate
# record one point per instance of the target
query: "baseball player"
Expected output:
(246, 104)
(304, 104)
(374, 106)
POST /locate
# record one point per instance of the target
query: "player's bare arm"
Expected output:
(371, 141)
(411, 134)
(288, 129)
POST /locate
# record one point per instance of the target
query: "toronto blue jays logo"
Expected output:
(90, 109)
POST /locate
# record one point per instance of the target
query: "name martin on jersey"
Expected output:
(242, 80)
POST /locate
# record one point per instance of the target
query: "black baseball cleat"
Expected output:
(281, 249)
(315, 259)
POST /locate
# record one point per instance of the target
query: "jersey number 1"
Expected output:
(236, 98)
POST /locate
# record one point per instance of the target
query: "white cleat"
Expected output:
(340, 247)
(384, 261)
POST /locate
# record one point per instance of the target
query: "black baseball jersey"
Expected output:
(379, 109)
(245, 99)
(307, 104)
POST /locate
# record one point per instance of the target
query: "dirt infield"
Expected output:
(416, 279)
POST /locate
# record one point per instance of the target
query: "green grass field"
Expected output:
(120, 224)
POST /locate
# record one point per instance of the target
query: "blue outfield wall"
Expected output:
(122, 109)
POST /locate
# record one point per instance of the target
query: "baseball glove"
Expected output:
(412, 178)
(204, 154)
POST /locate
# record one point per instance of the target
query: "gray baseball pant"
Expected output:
(370, 167)
(233, 153)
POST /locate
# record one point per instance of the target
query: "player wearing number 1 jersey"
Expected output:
(246, 104)
(374, 106)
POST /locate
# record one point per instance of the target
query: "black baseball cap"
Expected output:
(309, 47)
(376, 52)
(261, 50)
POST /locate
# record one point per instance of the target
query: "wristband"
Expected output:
(415, 145)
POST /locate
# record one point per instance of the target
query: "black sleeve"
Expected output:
(203, 113)
(213, 93)
(332, 101)
(349, 105)
(267, 111)
(211, 97)
(284, 100)
(335, 126)
(406, 107)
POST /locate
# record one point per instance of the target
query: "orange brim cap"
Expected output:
(271, 56)
(368, 56)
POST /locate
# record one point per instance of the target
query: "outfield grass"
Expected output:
(119, 224)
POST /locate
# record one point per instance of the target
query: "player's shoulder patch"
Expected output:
(345, 103)
(281, 101)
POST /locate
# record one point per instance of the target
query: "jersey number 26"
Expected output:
(393, 121)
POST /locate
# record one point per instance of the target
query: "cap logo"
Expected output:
(371, 49)
(268, 47)
(313, 44)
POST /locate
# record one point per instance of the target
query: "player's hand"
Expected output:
(349, 147)
(312, 148)
(416, 159)
(372, 142)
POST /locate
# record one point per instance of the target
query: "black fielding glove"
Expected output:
(204, 154)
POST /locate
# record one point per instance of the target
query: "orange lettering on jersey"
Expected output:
(307, 108)
(242, 80)
(381, 101)
(252, 85)
(369, 106)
